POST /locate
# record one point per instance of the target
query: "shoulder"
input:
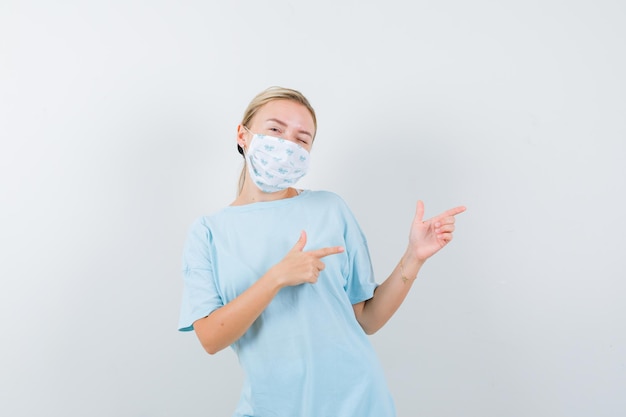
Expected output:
(328, 202)
(202, 226)
(208, 221)
(200, 223)
(198, 231)
(327, 197)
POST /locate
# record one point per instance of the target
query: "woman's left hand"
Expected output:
(427, 237)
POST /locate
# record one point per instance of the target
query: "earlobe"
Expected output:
(241, 138)
(242, 144)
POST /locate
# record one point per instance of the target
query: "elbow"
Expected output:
(370, 330)
(207, 337)
(366, 317)
(211, 350)
(211, 347)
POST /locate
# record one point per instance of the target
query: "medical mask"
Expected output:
(274, 163)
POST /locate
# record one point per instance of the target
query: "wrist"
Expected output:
(409, 267)
(410, 258)
(273, 280)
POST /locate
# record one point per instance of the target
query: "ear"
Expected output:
(242, 136)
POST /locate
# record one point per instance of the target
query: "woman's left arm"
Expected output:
(426, 238)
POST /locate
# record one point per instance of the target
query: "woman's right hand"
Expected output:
(299, 266)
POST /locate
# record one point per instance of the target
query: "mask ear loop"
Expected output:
(244, 170)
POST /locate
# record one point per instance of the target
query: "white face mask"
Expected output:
(274, 163)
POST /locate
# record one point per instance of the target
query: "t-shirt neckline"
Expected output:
(269, 204)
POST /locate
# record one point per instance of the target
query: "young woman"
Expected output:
(284, 277)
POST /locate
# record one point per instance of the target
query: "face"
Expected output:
(283, 119)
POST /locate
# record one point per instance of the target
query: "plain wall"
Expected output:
(117, 129)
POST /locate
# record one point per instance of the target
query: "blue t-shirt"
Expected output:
(305, 355)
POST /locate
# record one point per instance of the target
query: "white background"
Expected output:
(117, 128)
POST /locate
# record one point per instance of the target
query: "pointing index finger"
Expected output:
(332, 250)
(453, 212)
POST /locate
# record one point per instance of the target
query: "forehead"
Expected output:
(287, 111)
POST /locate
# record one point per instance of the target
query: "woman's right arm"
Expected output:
(227, 324)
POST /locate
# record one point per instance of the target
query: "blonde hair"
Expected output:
(261, 99)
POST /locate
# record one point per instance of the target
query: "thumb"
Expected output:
(301, 243)
(419, 211)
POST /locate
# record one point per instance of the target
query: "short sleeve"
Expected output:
(200, 293)
(360, 283)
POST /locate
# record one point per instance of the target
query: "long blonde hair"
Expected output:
(261, 99)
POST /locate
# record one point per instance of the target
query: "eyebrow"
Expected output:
(280, 122)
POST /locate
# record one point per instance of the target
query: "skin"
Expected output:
(292, 121)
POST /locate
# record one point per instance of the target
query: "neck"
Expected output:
(250, 193)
